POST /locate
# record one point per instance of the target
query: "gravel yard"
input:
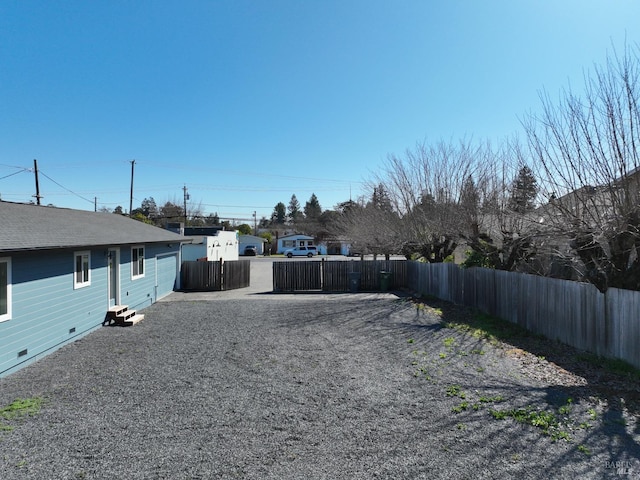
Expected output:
(353, 386)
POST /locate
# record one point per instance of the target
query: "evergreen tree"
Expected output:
(294, 209)
(244, 229)
(524, 190)
(279, 214)
(380, 199)
(469, 207)
(312, 209)
(149, 208)
(469, 196)
(172, 212)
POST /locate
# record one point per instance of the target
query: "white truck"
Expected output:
(301, 252)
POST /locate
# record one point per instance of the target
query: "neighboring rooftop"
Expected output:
(34, 227)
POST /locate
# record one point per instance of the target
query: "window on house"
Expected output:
(82, 270)
(5, 289)
(137, 262)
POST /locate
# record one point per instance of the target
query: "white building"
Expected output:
(221, 246)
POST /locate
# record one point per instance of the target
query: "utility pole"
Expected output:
(35, 170)
(95, 204)
(133, 162)
(255, 223)
(186, 197)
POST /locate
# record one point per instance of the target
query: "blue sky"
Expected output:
(249, 102)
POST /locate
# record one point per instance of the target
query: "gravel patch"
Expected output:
(320, 387)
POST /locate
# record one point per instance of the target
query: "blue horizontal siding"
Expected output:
(166, 274)
(45, 306)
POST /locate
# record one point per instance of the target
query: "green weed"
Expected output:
(496, 398)
(542, 419)
(460, 408)
(449, 342)
(584, 449)
(489, 328)
(454, 391)
(566, 409)
(19, 408)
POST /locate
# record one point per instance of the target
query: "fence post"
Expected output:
(221, 275)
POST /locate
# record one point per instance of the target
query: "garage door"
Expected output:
(166, 274)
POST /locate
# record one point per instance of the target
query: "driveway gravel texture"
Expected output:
(348, 386)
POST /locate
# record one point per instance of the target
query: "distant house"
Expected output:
(246, 240)
(64, 272)
(335, 247)
(291, 241)
(220, 245)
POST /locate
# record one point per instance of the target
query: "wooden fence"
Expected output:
(215, 276)
(574, 313)
(336, 276)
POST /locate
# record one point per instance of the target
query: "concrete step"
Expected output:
(117, 309)
(132, 320)
(120, 315)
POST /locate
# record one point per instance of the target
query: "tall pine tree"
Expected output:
(524, 190)
(294, 209)
(279, 214)
(312, 209)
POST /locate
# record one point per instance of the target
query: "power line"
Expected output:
(14, 173)
(183, 167)
(65, 188)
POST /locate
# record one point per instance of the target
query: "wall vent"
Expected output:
(72, 330)
(22, 353)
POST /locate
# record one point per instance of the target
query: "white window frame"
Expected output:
(85, 282)
(135, 272)
(7, 315)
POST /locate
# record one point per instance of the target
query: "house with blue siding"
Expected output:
(65, 273)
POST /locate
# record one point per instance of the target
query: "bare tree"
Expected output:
(426, 187)
(501, 228)
(587, 147)
(373, 227)
(451, 195)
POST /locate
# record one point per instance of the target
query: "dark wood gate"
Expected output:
(336, 276)
(215, 276)
(295, 276)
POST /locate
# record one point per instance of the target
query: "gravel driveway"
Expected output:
(353, 386)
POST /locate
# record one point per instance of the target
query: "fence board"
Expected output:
(623, 309)
(201, 276)
(236, 274)
(571, 312)
(334, 276)
(296, 276)
(215, 276)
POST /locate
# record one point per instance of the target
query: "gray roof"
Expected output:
(32, 227)
(297, 235)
